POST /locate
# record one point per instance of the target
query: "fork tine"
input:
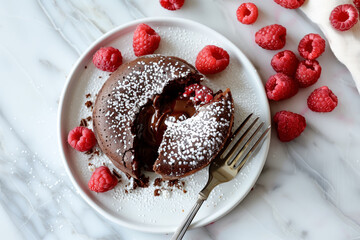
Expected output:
(235, 160)
(232, 152)
(241, 126)
(253, 148)
(236, 132)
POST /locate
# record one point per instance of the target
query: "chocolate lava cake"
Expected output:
(142, 120)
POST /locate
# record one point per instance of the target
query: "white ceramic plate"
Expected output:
(140, 209)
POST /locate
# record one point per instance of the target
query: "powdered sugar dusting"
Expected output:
(190, 144)
(140, 205)
(135, 90)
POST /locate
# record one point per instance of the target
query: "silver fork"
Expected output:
(225, 167)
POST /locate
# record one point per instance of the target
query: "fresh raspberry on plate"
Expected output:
(292, 4)
(172, 5)
(199, 93)
(307, 73)
(145, 40)
(82, 139)
(289, 125)
(322, 100)
(344, 17)
(311, 46)
(212, 59)
(107, 59)
(280, 86)
(102, 180)
(247, 13)
(285, 62)
(272, 37)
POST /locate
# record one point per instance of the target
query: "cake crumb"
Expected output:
(158, 182)
(83, 123)
(91, 167)
(89, 152)
(88, 104)
(157, 192)
(88, 95)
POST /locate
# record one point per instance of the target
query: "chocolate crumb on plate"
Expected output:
(157, 192)
(158, 182)
(83, 123)
(88, 104)
(89, 152)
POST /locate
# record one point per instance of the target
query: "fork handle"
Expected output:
(179, 234)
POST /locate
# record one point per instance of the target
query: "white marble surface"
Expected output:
(309, 188)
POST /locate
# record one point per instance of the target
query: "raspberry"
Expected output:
(285, 62)
(247, 13)
(172, 5)
(82, 139)
(145, 40)
(107, 59)
(344, 17)
(311, 46)
(292, 4)
(272, 37)
(281, 86)
(289, 125)
(357, 4)
(102, 180)
(212, 59)
(322, 100)
(198, 93)
(307, 73)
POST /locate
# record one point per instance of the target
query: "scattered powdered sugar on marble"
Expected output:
(140, 204)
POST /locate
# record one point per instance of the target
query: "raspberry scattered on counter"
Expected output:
(272, 37)
(344, 17)
(280, 86)
(285, 62)
(291, 4)
(311, 46)
(357, 4)
(307, 73)
(172, 5)
(289, 125)
(247, 13)
(322, 100)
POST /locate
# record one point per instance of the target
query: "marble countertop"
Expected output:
(308, 189)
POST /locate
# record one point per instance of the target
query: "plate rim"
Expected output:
(61, 108)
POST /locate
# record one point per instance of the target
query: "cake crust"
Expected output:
(125, 92)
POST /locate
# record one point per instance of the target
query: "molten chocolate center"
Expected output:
(152, 123)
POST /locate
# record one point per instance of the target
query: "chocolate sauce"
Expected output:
(152, 121)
